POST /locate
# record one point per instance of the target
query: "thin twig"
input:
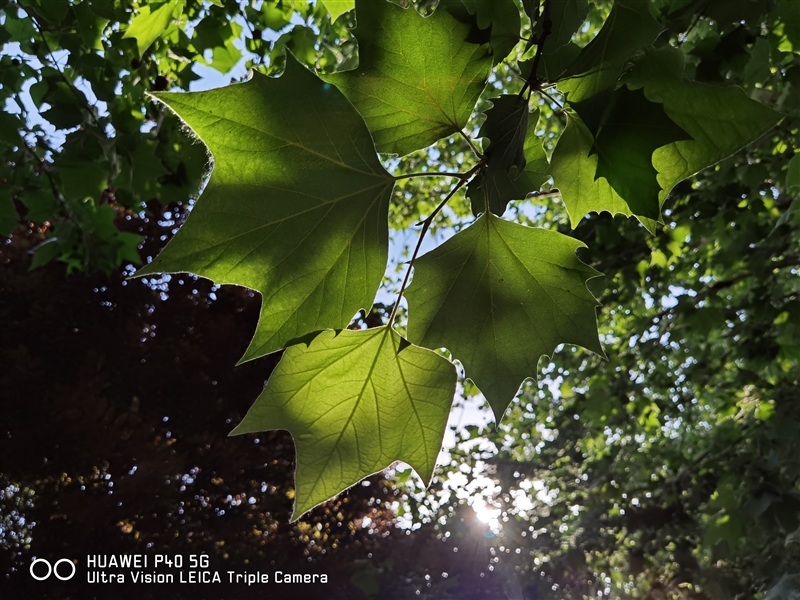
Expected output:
(425, 226)
(81, 98)
(432, 174)
(547, 194)
(471, 144)
(547, 26)
(553, 100)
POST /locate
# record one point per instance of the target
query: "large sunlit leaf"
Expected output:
(499, 296)
(418, 78)
(720, 120)
(497, 186)
(151, 21)
(627, 129)
(355, 402)
(296, 208)
(628, 29)
(573, 167)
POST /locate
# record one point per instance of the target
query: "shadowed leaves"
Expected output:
(499, 296)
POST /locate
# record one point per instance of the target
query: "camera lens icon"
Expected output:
(52, 569)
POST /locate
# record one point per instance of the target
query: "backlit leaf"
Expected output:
(296, 207)
(355, 402)
(499, 296)
(496, 187)
(418, 79)
(498, 18)
(573, 167)
(504, 131)
(150, 23)
(338, 7)
(628, 28)
(720, 120)
(566, 16)
(627, 129)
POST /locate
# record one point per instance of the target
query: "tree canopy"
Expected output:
(652, 452)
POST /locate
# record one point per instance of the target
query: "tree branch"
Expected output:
(547, 26)
(432, 174)
(425, 226)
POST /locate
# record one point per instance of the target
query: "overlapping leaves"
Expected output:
(297, 208)
(418, 79)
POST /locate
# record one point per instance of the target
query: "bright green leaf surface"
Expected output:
(418, 79)
(721, 120)
(496, 187)
(338, 7)
(627, 129)
(628, 29)
(573, 168)
(355, 402)
(296, 207)
(500, 295)
(150, 23)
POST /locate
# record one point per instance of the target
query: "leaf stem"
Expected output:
(78, 95)
(471, 143)
(432, 174)
(426, 224)
(553, 100)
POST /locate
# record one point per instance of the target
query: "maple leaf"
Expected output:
(355, 402)
(296, 208)
(499, 296)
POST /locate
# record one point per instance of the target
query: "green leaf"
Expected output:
(44, 253)
(500, 295)
(627, 30)
(225, 56)
(296, 208)
(567, 16)
(505, 127)
(355, 402)
(627, 129)
(496, 187)
(793, 175)
(427, 91)
(573, 167)
(150, 23)
(552, 64)
(720, 120)
(338, 7)
(498, 18)
(41, 204)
